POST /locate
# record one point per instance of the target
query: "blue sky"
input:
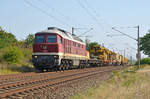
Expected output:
(20, 18)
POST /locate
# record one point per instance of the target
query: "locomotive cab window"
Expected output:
(78, 45)
(51, 39)
(60, 40)
(39, 39)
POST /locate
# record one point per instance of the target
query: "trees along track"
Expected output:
(35, 81)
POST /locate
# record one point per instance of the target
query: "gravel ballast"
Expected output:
(67, 89)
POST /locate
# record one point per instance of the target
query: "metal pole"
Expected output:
(138, 44)
(131, 59)
(72, 30)
(86, 40)
(139, 55)
(124, 56)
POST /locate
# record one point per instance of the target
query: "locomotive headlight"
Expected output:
(55, 56)
(35, 56)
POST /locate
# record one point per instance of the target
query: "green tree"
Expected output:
(144, 61)
(29, 40)
(90, 45)
(145, 44)
(6, 39)
(12, 55)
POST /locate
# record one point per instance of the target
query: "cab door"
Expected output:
(60, 44)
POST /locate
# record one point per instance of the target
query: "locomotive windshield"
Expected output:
(51, 39)
(39, 39)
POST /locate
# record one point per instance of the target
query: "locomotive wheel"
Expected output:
(47, 70)
(54, 69)
(59, 68)
(79, 67)
(62, 68)
(40, 69)
(67, 68)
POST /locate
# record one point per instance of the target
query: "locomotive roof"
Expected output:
(63, 33)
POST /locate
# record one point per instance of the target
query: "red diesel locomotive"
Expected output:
(55, 48)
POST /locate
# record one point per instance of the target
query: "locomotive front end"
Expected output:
(45, 51)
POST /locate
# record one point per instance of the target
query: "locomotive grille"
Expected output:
(44, 60)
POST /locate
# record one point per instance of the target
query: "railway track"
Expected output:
(35, 81)
(14, 78)
(5, 79)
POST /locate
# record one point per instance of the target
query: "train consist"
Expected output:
(57, 49)
(106, 57)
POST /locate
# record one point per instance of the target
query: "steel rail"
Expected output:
(36, 84)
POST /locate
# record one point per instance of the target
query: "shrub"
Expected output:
(29, 40)
(12, 55)
(27, 52)
(144, 61)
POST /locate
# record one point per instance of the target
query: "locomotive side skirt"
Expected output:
(52, 60)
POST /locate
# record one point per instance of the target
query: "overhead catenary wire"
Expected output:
(97, 17)
(95, 13)
(89, 13)
(92, 9)
(46, 13)
(130, 46)
(55, 10)
(124, 34)
(85, 32)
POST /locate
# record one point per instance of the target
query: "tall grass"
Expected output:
(122, 85)
(13, 69)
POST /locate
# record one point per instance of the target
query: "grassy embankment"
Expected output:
(23, 66)
(127, 84)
